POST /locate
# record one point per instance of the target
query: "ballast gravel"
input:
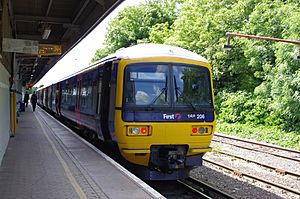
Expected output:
(239, 186)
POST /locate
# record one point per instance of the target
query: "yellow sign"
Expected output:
(28, 86)
(49, 49)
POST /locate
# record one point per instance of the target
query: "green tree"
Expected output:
(101, 53)
(134, 23)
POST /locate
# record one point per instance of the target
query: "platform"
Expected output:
(47, 160)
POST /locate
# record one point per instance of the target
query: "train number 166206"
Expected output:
(196, 116)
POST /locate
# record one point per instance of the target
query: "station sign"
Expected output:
(49, 49)
(20, 46)
(30, 47)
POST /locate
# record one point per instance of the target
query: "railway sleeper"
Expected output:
(280, 171)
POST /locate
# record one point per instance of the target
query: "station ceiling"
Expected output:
(66, 21)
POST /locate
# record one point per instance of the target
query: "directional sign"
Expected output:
(28, 86)
(49, 49)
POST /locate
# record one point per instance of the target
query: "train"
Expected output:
(154, 102)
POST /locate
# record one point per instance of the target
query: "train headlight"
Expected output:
(201, 130)
(137, 130)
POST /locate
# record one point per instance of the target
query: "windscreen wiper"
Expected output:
(156, 98)
(164, 89)
(178, 91)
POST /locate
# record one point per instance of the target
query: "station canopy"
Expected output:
(56, 26)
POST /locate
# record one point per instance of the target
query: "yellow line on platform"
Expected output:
(68, 173)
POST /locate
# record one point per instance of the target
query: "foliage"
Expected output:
(272, 135)
(135, 23)
(160, 32)
(101, 53)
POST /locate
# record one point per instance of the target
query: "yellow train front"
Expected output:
(154, 102)
(164, 115)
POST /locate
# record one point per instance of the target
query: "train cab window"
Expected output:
(192, 86)
(167, 85)
(146, 84)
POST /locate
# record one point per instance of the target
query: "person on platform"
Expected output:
(33, 100)
(26, 98)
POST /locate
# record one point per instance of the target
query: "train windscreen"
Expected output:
(167, 85)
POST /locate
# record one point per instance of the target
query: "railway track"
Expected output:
(282, 152)
(252, 177)
(276, 169)
(205, 190)
(188, 188)
(271, 152)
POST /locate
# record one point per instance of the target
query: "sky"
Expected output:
(80, 56)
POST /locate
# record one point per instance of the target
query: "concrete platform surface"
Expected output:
(46, 160)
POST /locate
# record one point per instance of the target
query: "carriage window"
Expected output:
(146, 85)
(86, 96)
(74, 94)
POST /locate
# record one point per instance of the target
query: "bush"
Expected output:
(247, 108)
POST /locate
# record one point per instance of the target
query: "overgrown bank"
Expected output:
(272, 135)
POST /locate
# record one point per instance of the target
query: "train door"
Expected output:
(112, 100)
(46, 97)
(53, 94)
(50, 97)
(77, 101)
(42, 97)
(104, 107)
(97, 90)
(58, 99)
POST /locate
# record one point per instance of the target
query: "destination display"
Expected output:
(168, 117)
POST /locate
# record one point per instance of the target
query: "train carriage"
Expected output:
(154, 101)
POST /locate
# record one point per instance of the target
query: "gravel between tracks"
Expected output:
(242, 187)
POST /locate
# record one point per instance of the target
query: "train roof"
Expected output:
(144, 50)
(155, 50)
